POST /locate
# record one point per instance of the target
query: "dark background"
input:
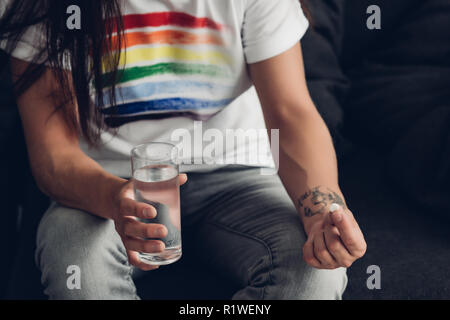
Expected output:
(385, 97)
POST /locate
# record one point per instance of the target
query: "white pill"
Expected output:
(334, 207)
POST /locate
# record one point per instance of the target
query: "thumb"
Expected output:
(350, 234)
(182, 178)
(336, 214)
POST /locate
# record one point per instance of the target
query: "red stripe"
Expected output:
(158, 19)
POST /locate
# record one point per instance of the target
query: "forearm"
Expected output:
(75, 180)
(61, 169)
(307, 163)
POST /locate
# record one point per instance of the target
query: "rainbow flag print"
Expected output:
(171, 64)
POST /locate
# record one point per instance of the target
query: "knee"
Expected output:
(76, 246)
(293, 279)
(67, 234)
(317, 284)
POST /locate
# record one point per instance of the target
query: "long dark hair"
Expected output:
(71, 48)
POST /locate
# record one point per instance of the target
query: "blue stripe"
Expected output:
(148, 89)
(172, 104)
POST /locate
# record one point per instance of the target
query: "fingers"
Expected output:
(130, 207)
(337, 248)
(337, 242)
(322, 253)
(325, 250)
(183, 178)
(133, 258)
(349, 231)
(134, 228)
(308, 254)
(146, 246)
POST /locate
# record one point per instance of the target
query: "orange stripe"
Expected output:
(166, 37)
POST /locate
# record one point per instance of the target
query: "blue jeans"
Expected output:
(246, 227)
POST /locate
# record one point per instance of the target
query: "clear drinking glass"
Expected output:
(155, 174)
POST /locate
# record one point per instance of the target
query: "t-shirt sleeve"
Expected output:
(29, 45)
(271, 27)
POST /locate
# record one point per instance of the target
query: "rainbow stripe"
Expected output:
(172, 37)
(177, 87)
(180, 69)
(159, 19)
(175, 104)
(173, 53)
(194, 55)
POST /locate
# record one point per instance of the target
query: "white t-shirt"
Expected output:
(185, 79)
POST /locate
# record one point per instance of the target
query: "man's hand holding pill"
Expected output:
(334, 237)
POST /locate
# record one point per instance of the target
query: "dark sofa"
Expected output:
(407, 235)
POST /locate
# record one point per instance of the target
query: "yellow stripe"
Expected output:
(168, 52)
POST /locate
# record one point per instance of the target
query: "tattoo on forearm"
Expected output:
(317, 200)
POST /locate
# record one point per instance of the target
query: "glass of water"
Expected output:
(155, 174)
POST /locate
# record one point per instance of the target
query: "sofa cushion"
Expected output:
(328, 86)
(400, 99)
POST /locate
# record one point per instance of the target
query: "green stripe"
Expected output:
(163, 68)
